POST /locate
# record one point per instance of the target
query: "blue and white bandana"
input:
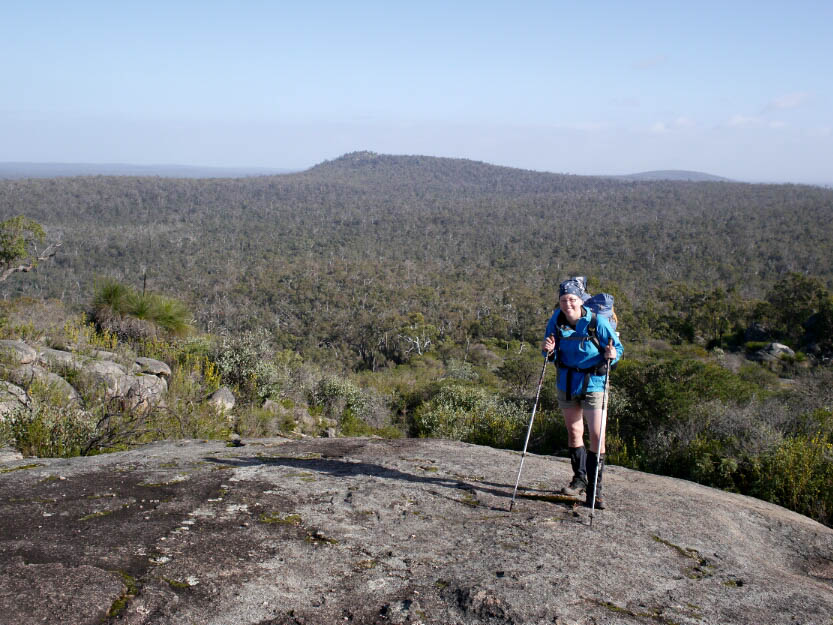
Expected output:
(571, 287)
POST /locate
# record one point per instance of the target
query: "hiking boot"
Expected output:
(576, 487)
(578, 460)
(593, 484)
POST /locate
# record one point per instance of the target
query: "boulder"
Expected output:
(17, 353)
(12, 397)
(307, 422)
(153, 367)
(146, 392)
(222, 399)
(62, 387)
(24, 365)
(23, 375)
(59, 359)
(104, 355)
(112, 375)
(773, 353)
(28, 374)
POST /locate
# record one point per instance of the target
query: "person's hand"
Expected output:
(549, 344)
(610, 351)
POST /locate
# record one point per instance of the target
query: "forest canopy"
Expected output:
(352, 255)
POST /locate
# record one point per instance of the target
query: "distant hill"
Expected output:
(64, 170)
(484, 176)
(422, 174)
(674, 174)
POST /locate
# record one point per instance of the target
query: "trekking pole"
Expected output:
(601, 442)
(529, 430)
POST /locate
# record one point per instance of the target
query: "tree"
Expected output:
(791, 303)
(19, 241)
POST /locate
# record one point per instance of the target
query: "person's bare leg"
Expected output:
(574, 421)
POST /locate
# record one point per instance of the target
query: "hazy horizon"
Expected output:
(734, 90)
(30, 169)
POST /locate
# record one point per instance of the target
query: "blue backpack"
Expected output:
(602, 305)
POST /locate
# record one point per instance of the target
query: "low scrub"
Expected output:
(729, 431)
(472, 414)
(48, 431)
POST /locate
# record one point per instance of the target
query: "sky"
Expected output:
(736, 89)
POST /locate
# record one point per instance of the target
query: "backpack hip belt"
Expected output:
(587, 372)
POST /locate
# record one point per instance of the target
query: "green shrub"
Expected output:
(255, 422)
(757, 375)
(664, 391)
(112, 296)
(352, 425)
(473, 415)
(799, 476)
(753, 346)
(521, 371)
(460, 370)
(343, 400)
(239, 361)
(49, 431)
(169, 314)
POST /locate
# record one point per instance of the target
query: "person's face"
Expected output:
(570, 305)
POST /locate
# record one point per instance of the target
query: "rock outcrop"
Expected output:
(18, 352)
(140, 384)
(330, 531)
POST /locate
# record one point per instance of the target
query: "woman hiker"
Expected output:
(580, 362)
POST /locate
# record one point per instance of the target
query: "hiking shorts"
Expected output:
(591, 401)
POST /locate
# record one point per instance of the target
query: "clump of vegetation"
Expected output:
(121, 309)
(48, 431)
(359, 412)
(252, 365)
(472, 414)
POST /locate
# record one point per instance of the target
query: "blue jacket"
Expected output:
(574, 353)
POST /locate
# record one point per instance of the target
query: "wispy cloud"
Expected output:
(754, 121)
(787, 101)
(745, 121)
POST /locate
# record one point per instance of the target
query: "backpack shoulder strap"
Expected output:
(591, 331)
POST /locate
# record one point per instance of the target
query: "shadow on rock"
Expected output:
(344, 468)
